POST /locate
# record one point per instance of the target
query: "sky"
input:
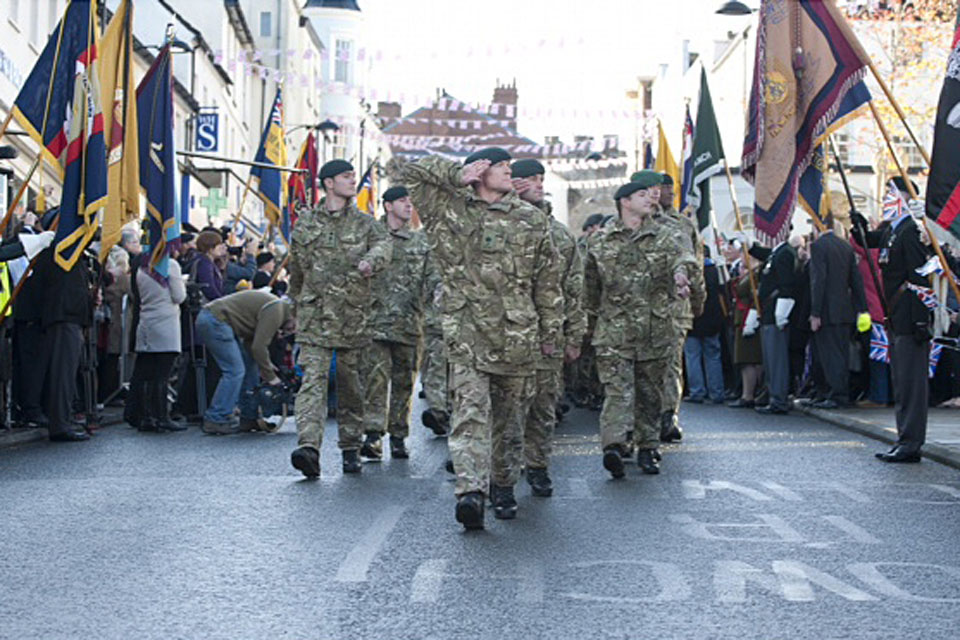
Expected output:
(566, 55)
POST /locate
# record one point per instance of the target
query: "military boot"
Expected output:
(540, 483)
(670, 430)
(449, 467)
(306, 460)
(647, 461)
(372, 448)
(613, 462)
(398, 449)
(351, 461)
(436, 421)
(470, 510)
(504, 503)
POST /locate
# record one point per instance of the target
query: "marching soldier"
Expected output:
(584, 386)
(501, 309)
(433, 372)
(334, 251)
(542, 416)
(636, 269)
(390, 363)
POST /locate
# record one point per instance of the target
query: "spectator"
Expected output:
(242, 267)
(702, 346)
(204, 270)
(117, 286)
(878, 394)
(130, 242)
(747, 354)
(800, 319)
(265, 267)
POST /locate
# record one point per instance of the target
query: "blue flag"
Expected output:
(157, 162)
(686, 159)
(272, 151)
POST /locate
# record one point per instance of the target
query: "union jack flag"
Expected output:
(879, 347)
(935, 351)
(926, 295)
(893, 204)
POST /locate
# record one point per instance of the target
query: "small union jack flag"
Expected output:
(893, 204)
(879, 347)
(935, 351)
(926, 295)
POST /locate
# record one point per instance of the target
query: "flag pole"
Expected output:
(6, 122)
(913, 196)
(243, 202)
(896, 107)
(746, 261)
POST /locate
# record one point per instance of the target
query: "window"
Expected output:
(338, 145)
(265, 24)
(342, 69)
(842, 141)
(907, 152)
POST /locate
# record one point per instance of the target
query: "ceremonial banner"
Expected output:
(366, 193)
(686, 159)
(272, 151)
(707, 155)
(648, 160)
(808, 80)
(943, 186)
(666, 164)
(302, 187)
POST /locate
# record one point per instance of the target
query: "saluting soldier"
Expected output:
(541, 419)
(399, 294)
(502, 308)
(334, 252)
(635, 270)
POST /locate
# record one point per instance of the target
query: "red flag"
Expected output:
(943, 187)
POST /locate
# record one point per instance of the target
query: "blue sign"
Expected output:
(207, 131)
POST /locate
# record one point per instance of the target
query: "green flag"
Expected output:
(707, 155)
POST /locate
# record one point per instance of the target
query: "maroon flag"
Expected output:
(943, 186)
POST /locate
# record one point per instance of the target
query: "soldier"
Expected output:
(433, 372)
(635, 269)
(542, 416)
(334, 251)
(583, 382)
(398, 302)
(501, 307)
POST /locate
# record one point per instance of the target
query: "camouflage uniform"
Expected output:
(682, 311)
(333, 311)
(390, 367)
(583, 381)
(542, 416)
(501, 298)
(629, 287)
(433, 371)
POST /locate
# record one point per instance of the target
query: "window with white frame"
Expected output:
(342, 58)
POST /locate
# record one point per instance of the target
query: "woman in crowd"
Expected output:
(116, 287)
(747, 354)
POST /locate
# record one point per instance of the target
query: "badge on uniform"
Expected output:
(328, 239)
(884, 256)
(492, 240)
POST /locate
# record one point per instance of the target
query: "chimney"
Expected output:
(388, 110)
(505, 96)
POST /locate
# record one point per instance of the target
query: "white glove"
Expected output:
(782, 312)
(918, 208)
(752, 323)
(34, 244)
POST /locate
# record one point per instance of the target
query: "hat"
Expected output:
(526, 168)
(187, 238)
(592, 220)
(666, 178)
(334, 168)
(628, 190)
(395, 193)
(263, 258)
(189, 228)
(495, 155)
(647, 178)
(902, 186)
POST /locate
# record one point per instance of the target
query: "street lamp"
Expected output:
(324, 127)
(734, 8)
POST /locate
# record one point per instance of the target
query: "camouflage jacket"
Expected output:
(571, 283)
(501, 279)
(402, 291)
(629, 287)
(685, 310)
(333, 298)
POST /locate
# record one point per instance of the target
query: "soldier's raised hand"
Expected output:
(472, 172)
(683, 284)
(365, 269)
(520, 185)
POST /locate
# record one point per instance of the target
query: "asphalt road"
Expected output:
(756, 528)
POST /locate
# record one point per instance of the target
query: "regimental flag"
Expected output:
(708, 158)
(666, 164)
(119, 126)
(879, 346)
(366, 192)
(302, 187)
(648, 159)
(272, 151)
(935, 351)
(812, 189)
(46, 101)
(686, 159)
(158, 166)
(943, 186)
(84, 158)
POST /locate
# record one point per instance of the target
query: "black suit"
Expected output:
(836, 297)
(778, 279)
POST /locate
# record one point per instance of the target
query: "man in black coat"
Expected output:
(836, 299)
(909, 322)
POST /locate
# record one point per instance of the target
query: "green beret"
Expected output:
(628, 190)
(667, 178)
(395, 193)
(593, 219)
(527, 168)
(495, 155)
(334, 168)
(647, 178)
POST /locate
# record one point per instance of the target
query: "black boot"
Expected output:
(540, 482)
(147, 408)
(398, 449)
(670, 430)
(449, 467)
(162, 407)
(436, 421)
(133, 407)
(306, 460)
(504, 503)
(470, 510)
(351, 461)
(646, 460)
(372, 448)
(613, 462)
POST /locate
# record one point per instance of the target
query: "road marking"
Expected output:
(696, 490)
(783, 492)
(869, 573)
(792, 580)
(673, 585)
(428, 580)
(856, 532)
(697, 529)
(355, 566)
(530, 589)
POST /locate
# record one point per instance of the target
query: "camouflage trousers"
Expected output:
(542, 417)
(486, 435)
(389, 372)
(311, 406)
(673, 380)
(433, 375)
(632, 402)
(586, 381)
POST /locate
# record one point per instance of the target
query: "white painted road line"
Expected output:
(856, 532)
(428, 580)
(355, 566)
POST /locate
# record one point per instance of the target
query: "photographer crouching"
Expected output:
(237, 331)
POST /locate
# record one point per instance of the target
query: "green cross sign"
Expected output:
(214, 203)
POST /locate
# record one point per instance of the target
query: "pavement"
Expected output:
(758, 527)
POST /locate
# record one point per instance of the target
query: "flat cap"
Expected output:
(526, 168)
(647, 178)
(334, 168)
(395, 193)
(592, 220)
(495, 155)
